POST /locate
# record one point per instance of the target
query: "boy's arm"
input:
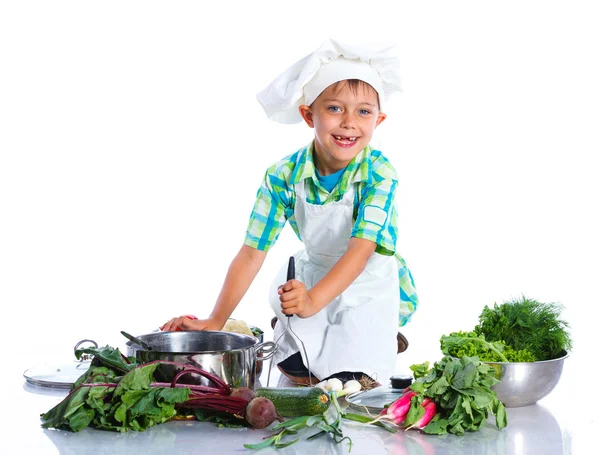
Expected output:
(374, 230)
(296, 300)
(343, 273)
(241, 273)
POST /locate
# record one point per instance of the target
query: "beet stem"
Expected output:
(193, 388)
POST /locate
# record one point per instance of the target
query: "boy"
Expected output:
(337, 193)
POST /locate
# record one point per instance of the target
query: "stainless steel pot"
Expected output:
(230, 356)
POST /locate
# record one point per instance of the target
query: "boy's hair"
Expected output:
(354, 85)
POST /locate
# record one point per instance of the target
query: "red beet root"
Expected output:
(243, 392)
(261, 412)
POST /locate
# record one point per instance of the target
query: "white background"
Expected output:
(132, 146)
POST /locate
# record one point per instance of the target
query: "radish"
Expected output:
(430, 411)
(399, 408)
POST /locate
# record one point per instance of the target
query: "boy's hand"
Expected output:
(189, 322)
(295, 299)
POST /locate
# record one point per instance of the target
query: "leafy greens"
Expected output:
(461, 388)
(459, 344)
(526, 324)
(129, 404)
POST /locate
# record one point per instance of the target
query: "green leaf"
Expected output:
(81, 418)
(58, 416)
(106, 356)
(96, 399)
(131, 404)
(527, 325)
(96, 374)
(420, 370)
(388, 426)
(281, 445)
(415, 412)
(127, 400)
(465, 377)
(266, 443)
(221, 419)
(292, 422)
(314, 419)
(436, 427)
(465, 404)
(316, 435)
(357, 417)
(137, 379)
(329, 428)
(501, 419)
(439, 387)
(457, 429)
(481, 398)
(418, 387)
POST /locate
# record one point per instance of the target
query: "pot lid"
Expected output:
(61, 376)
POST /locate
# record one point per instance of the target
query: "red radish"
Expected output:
(399, 408)
(430, 411)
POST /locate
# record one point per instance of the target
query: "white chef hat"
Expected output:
(303, 82)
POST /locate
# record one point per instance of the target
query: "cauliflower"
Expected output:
(236, 326)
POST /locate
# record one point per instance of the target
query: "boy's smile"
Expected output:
(344, 141)
(344, 119)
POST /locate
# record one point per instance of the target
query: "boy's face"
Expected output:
(344, 120)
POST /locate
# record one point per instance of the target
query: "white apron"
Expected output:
(357, 330)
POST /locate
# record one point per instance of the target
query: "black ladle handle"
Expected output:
(291, 274)
(291, 271)
(137, 341)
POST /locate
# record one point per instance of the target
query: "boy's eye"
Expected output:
(334, 108)
(364, 112)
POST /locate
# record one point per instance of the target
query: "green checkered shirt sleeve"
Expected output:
(409, 300)
(377, 218)
(271, 209)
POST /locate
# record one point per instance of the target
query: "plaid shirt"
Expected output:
(375, 216)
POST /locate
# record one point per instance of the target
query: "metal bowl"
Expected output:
(524, 383)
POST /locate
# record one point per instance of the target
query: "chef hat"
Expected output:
(303, 82)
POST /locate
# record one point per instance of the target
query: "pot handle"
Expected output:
(85, 357)
(268, 348)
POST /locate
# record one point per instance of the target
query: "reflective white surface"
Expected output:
(114, 214)
(562, 423)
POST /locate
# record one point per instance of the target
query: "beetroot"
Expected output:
(261, 412)
(243, 392)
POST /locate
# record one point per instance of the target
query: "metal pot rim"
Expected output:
(564, 355)
(254, 345)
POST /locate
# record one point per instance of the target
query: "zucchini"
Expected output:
(296, 401)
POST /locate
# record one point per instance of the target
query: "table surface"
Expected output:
(561, 423)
